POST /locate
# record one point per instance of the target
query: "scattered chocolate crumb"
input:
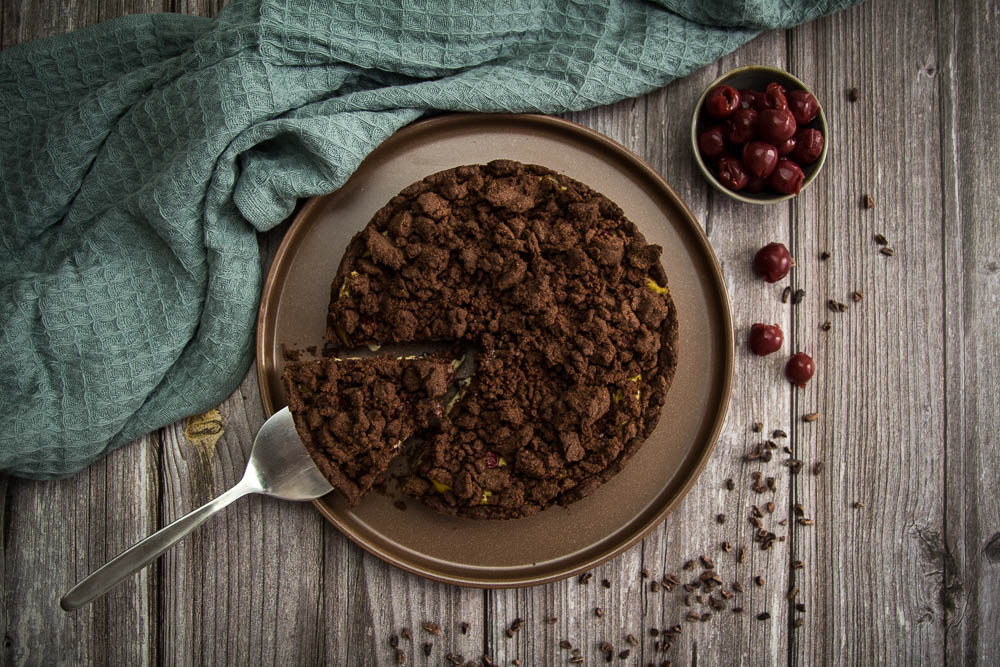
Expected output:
(763, 616)
(858, 505)
(565, 644)
(759, 580)
(394, 641)
(726, 594)
(858, 295)
(799, 510)
(757, 427)
(576, 660)
(727, 546)
(798, 623)
(687, 600)
(797, 565)
(625, 654)
(720, 518)
(644, 573)
(817, 467)
(428, 647)
(693, 616)
(800, 606)
(655, 587)
(605, 647)
(464, 627)
(778, 433)
(853, 95)
(783, 522)
(407, 635)
(868, 201)
(786, 449)
(888, 252)
(737, 610)
(792, 592)
(689, 565)
(586, 577)
(605, 583)
(807, 522)
(769, 507)
(432, 628)
(400, 657)
(598, 612)
(810, 417)
(454, 659)
(825, 255)
(785, 293)
(552, 620)
(707, 562)
(737, 586)
(881, 240)
(826, 326)
(741, 555)
(836, 306)
(797, 296)
(730, 484)
(707, 615)
(654, 632)
(630, 638)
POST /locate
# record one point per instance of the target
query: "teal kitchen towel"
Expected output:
(140, 157)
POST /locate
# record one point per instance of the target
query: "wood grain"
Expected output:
(971, 282)
(905, 390)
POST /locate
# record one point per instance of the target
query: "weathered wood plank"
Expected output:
(760, 394)
(971, 279)
(873, 575)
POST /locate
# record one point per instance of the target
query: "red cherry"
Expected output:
(760, 158)
(732, 174)
(808, 146)
(754, 185)
(765, 339)
(799, 369)
(774, 97)
(748, 99)
(786, 178)
(775, 125)
(722, 101)
(772, 262)
(786, 146)
(711, 142)
(492, 460)
(803, 106)
(741, 126)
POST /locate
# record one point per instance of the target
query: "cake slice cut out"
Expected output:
(354, 415)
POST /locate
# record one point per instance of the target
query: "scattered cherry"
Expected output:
(760, 158)
(732, 173)
(754, 185)
(808, 146)
(722, 101)
(742, 126)
(748, 99)
(803, 106)
(786, 178)
(799, 369)
(765, 339)
(711, 142)
(772, 262)
(786, 146)
(492, 460)
(774, 97)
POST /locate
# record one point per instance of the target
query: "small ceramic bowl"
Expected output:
(756, 77)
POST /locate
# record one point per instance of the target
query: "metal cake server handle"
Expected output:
(279, 466)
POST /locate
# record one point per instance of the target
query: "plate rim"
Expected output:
(279, 267)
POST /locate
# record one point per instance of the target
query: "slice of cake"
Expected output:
(354, 414)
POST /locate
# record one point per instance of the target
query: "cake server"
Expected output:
(279, 466)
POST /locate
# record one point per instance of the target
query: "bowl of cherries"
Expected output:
(759, 135)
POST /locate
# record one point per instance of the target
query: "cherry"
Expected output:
(754, 185)
(808, 146)
(492, 460)
(722, 101)
(741, 126)
(760, 158)
(775, 125)
(765, 339)
(786, 146)
(772, 262)
(732, 174)
(803, 106)
(711, 142)
(786, 178)
(748, 99)
(774, 97)
(799, 369)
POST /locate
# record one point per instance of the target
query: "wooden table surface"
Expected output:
(908, 421)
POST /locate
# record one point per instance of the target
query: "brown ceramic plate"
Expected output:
(558, 542)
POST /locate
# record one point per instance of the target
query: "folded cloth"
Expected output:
(140, 158)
